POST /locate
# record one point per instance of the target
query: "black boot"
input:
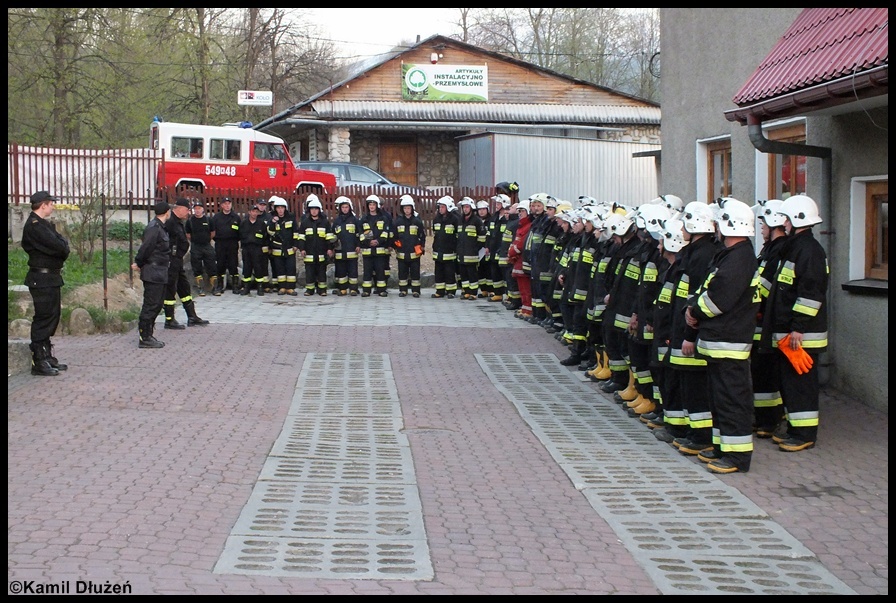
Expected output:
(52, 359)
(575, 356)
(40, 363)
(236, 284)
(146, 338)
(192, 319)
(170, 321)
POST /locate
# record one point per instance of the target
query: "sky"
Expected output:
(359, 33)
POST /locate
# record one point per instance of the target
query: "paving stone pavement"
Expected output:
(135, 468)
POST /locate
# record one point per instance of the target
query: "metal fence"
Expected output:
(126, 180)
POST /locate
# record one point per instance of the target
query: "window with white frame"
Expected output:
(869, 247)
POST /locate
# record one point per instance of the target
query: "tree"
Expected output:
(611, 47)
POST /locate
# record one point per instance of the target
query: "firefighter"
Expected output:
(767, 402)
(445, 225)
(724, 313)
(410, 245)
(226, 225)
(152, 260)
(47, 251)
(178, 286)
(796, 321)
(484, 270)
(347, 249)
(687, 413)
(376, 239)
(201, 235)
(470, 240)
(284, 241)
(255, 242)
(316, 242)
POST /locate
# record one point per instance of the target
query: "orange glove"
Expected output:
(418, 249)
(799, 358)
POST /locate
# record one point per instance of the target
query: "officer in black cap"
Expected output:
(152, 260)
(178, 285)
(47, 251)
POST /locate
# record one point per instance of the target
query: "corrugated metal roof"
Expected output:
(485, 112)
(822, 44)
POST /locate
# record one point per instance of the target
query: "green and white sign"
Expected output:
(456, 83)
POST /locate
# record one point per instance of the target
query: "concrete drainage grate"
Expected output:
(337, 497)
(690, 532)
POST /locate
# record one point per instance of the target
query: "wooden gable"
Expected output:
(509, 81)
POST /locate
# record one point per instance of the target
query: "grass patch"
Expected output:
(75, 274)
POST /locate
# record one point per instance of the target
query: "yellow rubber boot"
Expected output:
(630, 392)
(603, 372)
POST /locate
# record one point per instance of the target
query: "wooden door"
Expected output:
(398, 162)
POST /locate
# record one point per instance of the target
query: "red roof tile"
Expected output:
(822, 45)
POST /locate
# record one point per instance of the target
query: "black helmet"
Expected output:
(507, 188)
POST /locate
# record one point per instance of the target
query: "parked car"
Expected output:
(349, 174)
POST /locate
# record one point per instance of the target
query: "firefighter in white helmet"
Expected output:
(347, 250)
(724, 314)
(410, 245)
(444, 247)
(282, 229)
(316, 242)
(376, 244)
(687, 413)
(796, 321)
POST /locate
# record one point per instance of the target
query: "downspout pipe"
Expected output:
(775, 147)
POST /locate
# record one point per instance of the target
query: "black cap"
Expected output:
(40, 197)
(261, 200)
(255, 207)
(182, 202)
(161, 208)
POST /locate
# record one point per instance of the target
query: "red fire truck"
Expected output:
(231, 158)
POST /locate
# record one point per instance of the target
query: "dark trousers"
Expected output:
(800, 394)
(695, 401)
(255, 266)
(47, 312)
(227, 257)
(446, 280)
(376, 276)
(316, 276)
(731, 404)
(346, 274)
(469, 278)
(153, 300)
(178, 286)
(203, 260)
(285, 267)
(409, 275)
(768, 404)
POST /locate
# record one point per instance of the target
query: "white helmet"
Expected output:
(467, 201)
(542, 198)
(698, 218)
(802, 211)
(407, 200)
(586, 201)
(312, 201)
(482, 204)
(375, 199)
(769, 212)
(673, 236)
(649, 216)
(523, 206)
(502, 200)
(736, 219)
(278, 201)
(672, 202)
(447, 201)
(618, 225)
